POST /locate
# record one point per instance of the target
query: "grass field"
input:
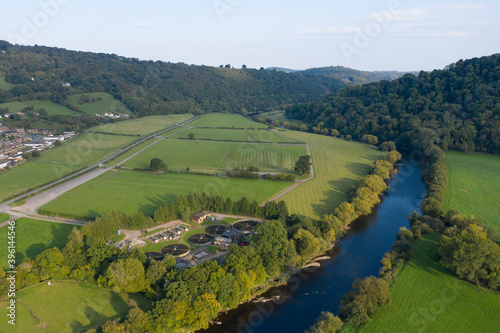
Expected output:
(230, 134)
(427, 298)
(143, 126)
(280, 115)
(49, 106)
(207, 156)
(338, 165)
(79, 152)
(129, 191)
(107, 104)
(33, 237)
(56, 162)
(4, 85)
(473, 186)
(228, 120)
(4, 217)
(67, 306)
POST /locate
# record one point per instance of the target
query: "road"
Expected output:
(47, 193)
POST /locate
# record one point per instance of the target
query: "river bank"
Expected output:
(296, 304)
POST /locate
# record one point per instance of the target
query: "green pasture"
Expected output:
(143, 126)
(129, 191)
(67, 306)
(338, 166)
(107, 104)
(207, 156)
(428, 298)
(228, 120)
(33, 237)
(50, 107)
(474, 186)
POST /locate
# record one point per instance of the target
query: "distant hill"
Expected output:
(457, 108)
(151, 87)
(347, 75)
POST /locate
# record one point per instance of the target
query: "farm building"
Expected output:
(199, 217)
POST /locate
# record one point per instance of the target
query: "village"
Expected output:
(18, 143)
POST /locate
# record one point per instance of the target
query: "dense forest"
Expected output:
(152, 87)
(456, 108)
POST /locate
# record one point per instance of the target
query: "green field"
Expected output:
(143, 126)
(107, 104)
(428, 298)
(4, 217)
(280, 115)
(209, 156)
(56, 162)
(33, 237)
(232, 135)
(49, 106)
(4, 85)
(129, 191)
(473, 186)
(228, 120)
(67, 306)
(338, 165)
(79, 152)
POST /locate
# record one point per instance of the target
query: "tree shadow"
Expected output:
(91, 213)
(154, 202)
(336, 193)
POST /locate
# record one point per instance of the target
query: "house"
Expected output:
(4, 129)
(4, 164)
(18, 130)
(199, 217)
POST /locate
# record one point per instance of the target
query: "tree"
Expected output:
(326, 323)
(35, 153)
(334, 133)
(157, 164)
(303, 165)
(57, 143)
(26, 156)
(387, 146)
(191, 136)
(306, 244)
(126, 275)
(270, 242)
(369, 139)
(303, 128)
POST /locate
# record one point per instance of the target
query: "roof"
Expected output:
(199, 215)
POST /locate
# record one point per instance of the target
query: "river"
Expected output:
(357, 255)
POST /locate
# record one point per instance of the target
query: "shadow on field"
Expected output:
(148, 209)
(334, 196)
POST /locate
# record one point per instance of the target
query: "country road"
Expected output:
(57, 188)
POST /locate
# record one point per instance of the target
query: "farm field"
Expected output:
(473, 186)
(338, 165)
(56, 162)
(79, 152)
(50, 107)
(142, 126)
(67, 306)
(206, 156)
(280, 115)
(428, 298)
(231, 134)
(129, 191)
(107, 104)
(33, 237)
(228, 120)
(4, 85)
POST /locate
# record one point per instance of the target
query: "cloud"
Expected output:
(461, 7)
(143, 24)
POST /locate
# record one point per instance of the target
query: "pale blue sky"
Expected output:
(412, 35)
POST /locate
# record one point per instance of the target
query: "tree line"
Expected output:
(455, 108)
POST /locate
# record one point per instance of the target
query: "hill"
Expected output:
(151, 87)
(347, 75)
(457, 107)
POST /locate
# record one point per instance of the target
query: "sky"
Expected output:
(404, 35)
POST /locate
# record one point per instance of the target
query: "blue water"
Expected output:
(357, 255)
